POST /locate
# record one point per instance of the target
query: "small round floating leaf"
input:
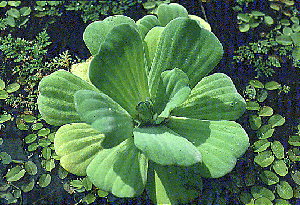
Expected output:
(255, 122)
(281, 202)
(44, 142)
(262, 95)
(3, 4)
(244, 27)
(22, 126)
(260, 191)
(296, 53)
(32, 147)
(276, 120)
(257, 13)
(296, 27)
(280, 168)
(51, 137)
(285, 22)
(292, 156)
(87, 184)
(5, 158)
(44, 180)
(284, 40)
(13, 13)
(297, 192)
(295, 19)
(62, 173)
(25, 11)
(12, 87)
(278, 149)
(254, 24)
(294, 140)
(244, 17)
(48, 165)
(46, 152)
(30, 138)
(4, 118)
(101, 193)
(256, 84)
(296, 39)
(265, 111)
(2, 84)
(3, 94)
(27, 187)
(15, 174)
(284, 190)
(264, 158)
(261, 145)
(37, 126)
(263, 201)
(296, 177)
(272, 85)
(1, 141)
(287, 31)
(43, 132)
(269, 178)
(28, 118)
(275, 6)
(30, 168)
(14, 3)
(246, 198)
(250, 105)
(90, 198)
(268, 20)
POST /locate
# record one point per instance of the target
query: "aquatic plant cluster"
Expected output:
(160, 129)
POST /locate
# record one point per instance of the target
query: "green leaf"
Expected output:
(4, 118)
(43, 132)
(285, 22)
(268, 20)
(264, 158)
(13, 13)
(284, 190)
(296, 39)
(280, 167)
(282, 202)
(172, 184)
(10, 21)
(119, 68)
(28, 118)
(296, 27)
(250, 105)
(265, 111)
(46, 152)
(277, 149)
(96, 32)
(246, 198)
(284, 40)
(87, 184)
(3, 94)
(104, 115)
(294, 140)
(27, 187)
(260, 191)
(257, 13)
(25, 11)
(173, 91)
(256, 84)
(2, 84)
(56, 97)
(37, 126)
(101, 193)
(244, 27)
(272, 85)
(244, 17)
(5, 158)
(15, 174)
(269, 178)
(296, 177)
(213, 98)
(32, 147)
(296, 53)
(121, 170)
(219, 142)
(255, 122)
(30, 168)
(146, 24)
(276, 120)
(184, 45)
(263, 201)
(261, 145)
(287, 31)
(44, 180)
(165, 147)
(12, 87)
(168, 12)
(62, 173)
(72, 139)
(3, 4)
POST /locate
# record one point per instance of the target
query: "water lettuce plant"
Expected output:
(151, 117)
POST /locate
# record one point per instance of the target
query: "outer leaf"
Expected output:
(56, 97)
(184, 45)
(104, 114)
(172, 184)
(146, 23)
(118, 69)
(121, 170)
(173, 91)
(96, 32)
(219, 142)
(77, 144)
(168, 12)
(214, 98)
(165, 147)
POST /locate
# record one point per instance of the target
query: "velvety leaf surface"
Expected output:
(77, 144)
(172, 92)
(146, 23)
(105, 115)
(56, 97)
(213, 98)
(219, 142)
(184, 45)
(165, 147)
(121, 170)
(168, 12)
(172, 184)
(119, 69)
(96, 32)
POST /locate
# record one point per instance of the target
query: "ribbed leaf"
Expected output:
(119, 68)
(172, 184)
(121, 170)
(172, 92)
(146, 23)
(165, 147)
(105, 115)
(219, 142)
(56, 97)
(168, 12)
(77, 144)
(184, 45)
(96, 32)
(213, 98)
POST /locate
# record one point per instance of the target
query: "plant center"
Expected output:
(145, 112)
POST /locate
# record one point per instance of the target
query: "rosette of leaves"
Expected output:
(155, 122)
